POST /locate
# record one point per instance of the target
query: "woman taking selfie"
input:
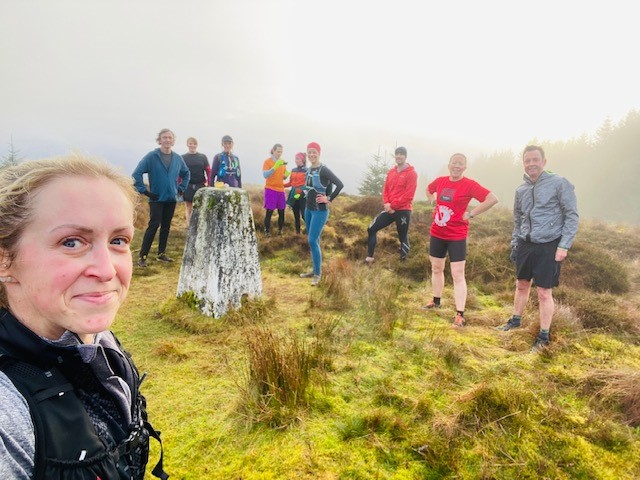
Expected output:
(70, 405)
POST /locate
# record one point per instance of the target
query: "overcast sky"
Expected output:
(104, 77)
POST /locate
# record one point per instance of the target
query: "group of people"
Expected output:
(70, 400)
(545, 213)
(312, 189)
(171, 176)
(545, 225)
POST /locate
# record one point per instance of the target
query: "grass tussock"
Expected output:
(337, 281)
(278, 374)
(380, 301)
(620, 387)
(170, 351)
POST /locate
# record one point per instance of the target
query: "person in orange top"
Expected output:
(296, 199)
(274, 171)
(397, 197)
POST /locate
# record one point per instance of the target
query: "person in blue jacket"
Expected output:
(163, 167)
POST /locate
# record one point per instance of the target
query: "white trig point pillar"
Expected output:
(220, 264)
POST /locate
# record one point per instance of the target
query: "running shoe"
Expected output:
(541, 343)
(510, 325)
(306, 275)
(431, 305)
(459, 321)
(163, 258)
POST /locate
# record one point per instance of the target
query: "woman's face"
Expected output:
(192, 146)
(313, 156)
(277, 153)
(457, 166)
(300, 162)
(73, 265)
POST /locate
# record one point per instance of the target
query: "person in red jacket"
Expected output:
(451, 195)
(397, 197)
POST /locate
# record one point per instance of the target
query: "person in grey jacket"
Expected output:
(545, 214)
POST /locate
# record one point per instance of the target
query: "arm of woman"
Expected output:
(17, 438)
(489, 202)
(336, 182)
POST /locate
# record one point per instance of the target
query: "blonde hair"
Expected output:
(20, 182)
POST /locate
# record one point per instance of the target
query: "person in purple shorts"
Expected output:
(274, 171)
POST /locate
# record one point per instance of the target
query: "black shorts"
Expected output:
(191, 190)
(537, 261)
(457, 249)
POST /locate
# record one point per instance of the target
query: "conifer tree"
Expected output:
(375, 176)
(12, 158)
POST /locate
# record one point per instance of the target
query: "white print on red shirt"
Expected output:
(442, 216)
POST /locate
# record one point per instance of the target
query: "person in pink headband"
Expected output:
(315, 146)
(322, 187)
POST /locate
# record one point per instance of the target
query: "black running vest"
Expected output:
(67, 444)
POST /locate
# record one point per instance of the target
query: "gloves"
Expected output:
(296, 196)
(152, 196)
(287, 173)
(514, 254)
(279, 163)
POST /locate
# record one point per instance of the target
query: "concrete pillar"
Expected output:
(220, 264)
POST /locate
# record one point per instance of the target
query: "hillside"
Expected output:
(353, 380)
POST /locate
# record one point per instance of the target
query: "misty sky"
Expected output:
(357, 76)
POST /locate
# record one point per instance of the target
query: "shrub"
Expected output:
(593, 268)
(488, 265)
(366, 205)
(600, 311)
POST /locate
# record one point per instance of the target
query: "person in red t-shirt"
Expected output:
(451, 196)
(397, 197)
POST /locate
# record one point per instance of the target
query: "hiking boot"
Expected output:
(541, 343)
(510, 325)
(431, 305)
(307, 275)
(459, 321)
(163, 258)
(267, 233)
(142, 262)
(315, 281)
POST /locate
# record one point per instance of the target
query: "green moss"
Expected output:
(190, 299)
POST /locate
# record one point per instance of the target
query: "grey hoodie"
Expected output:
(545, 210)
